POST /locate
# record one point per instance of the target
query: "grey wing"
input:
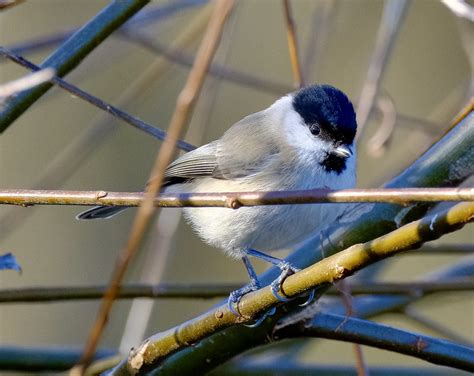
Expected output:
(248, 148)
(244, 150)
(197, 163)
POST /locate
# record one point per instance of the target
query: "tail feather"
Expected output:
(100, 212)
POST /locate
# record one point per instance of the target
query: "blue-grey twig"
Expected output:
(114, 111)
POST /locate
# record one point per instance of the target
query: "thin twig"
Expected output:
(25, 83)
(211, 291)
(392, 18)
(320, 26)
(434, 350)
(346, 297)
(155, 264)
(336, 267)
(82, 146)
(137, 123)
(446, 249)
(217, 70)
(4, 4)
(142, 19)
(293, 45)
(43, 359)
(377, 144)
(435, 326)
(235, 200)
(184, 106)
(249, 366)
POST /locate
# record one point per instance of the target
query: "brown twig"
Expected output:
(4, 4)
(346, 296)
(293, 45)
(82, 146)
(235, 200)
(184, 106)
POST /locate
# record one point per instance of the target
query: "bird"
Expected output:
(304, 140)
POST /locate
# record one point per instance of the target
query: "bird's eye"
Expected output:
(314, 129)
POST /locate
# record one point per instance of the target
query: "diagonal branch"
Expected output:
(349, 329)
(72, 52)
(183, 109)
(114, 111)
(320, 275)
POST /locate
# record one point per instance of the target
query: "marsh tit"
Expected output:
(304, 140)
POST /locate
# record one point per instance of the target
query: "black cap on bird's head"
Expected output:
(327, 110)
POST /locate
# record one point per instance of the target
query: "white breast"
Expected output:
(265, 228)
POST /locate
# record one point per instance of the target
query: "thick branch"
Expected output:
(343, 328)
(235, 200)
(336, 267)
(447, 163)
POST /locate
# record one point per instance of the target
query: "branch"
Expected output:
(444, 249)
(393, 14)
(293, 45)
(42, 359)
(72, 52)
(211, 291)
(270, 367)
(24, 83)
(183, 109)
(114, 111)
(320, 275)
(235, 200)
(348, 329)
(447, 163)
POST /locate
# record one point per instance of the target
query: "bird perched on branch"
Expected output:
(304, 140)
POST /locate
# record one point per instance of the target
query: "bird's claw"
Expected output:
(236, 296)
(308, 300)
(286, 270)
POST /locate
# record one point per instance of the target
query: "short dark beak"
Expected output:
(343, 151)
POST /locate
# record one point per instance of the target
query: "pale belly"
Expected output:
(263, 228)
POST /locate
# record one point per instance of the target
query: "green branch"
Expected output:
(447, 163)
(72, 52)
(151, 352)
(343, 328)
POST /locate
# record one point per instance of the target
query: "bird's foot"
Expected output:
(236, 296)
(286, 270)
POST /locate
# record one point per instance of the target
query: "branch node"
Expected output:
(219, 314)
(135, 360)
(233, 203)
(101, 194)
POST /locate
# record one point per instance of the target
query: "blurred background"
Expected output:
(61, 142)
